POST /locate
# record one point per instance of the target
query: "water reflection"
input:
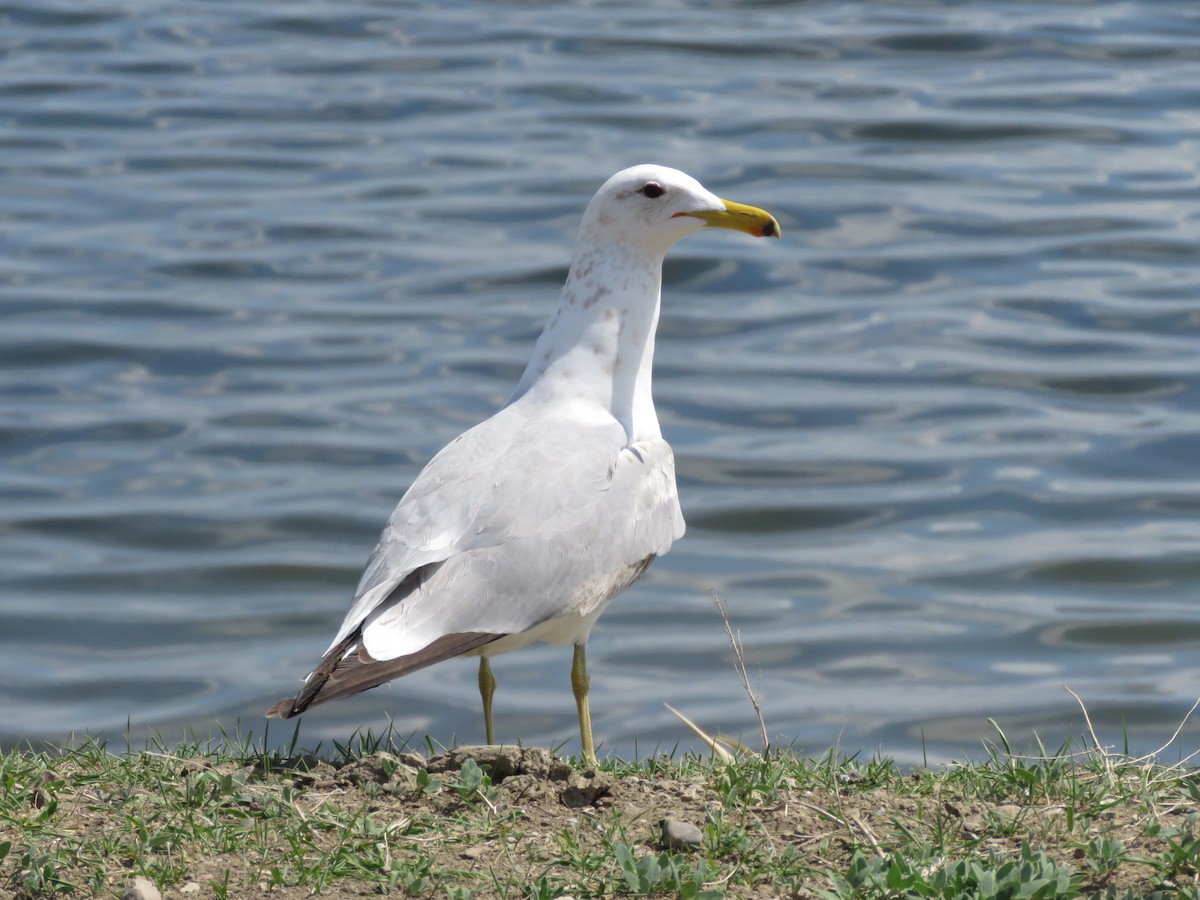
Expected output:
(936, 451)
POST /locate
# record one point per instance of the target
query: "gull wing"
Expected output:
(521, 520)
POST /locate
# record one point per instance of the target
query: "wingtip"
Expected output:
(284, 709)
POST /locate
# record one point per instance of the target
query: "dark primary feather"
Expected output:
(345, 670)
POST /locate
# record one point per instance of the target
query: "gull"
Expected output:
(525, 527)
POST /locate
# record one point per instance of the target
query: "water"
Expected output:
(937, 449)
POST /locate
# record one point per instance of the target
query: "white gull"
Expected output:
(525, 527)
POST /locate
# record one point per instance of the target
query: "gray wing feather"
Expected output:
(525, 519)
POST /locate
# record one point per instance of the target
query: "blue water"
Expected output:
(938, 450)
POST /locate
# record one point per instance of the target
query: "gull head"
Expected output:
(654, 206)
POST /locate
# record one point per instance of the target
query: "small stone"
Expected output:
(191, 887)
(473, 852)
(680, 835)
(141, 888)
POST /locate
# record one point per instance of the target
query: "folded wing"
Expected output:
(521, 520)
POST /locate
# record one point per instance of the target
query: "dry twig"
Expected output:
(739, 656)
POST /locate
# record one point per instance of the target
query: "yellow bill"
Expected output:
(739, 217)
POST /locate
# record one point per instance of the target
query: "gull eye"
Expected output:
(652, 189)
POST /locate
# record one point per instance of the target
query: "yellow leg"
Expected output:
(579, 685)
(487, 690)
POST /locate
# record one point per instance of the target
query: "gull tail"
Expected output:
(348, 669)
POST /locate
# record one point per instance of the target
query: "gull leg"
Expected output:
(487, 690)
(579, 685)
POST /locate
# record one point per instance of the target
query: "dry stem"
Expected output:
(739, 656)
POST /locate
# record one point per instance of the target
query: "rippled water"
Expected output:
(937, 449)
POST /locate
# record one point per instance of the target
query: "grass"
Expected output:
(370, 818)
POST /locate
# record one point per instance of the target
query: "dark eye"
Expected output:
(652, 189)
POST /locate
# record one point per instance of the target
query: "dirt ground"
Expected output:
(540, 817)
(511, 822)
